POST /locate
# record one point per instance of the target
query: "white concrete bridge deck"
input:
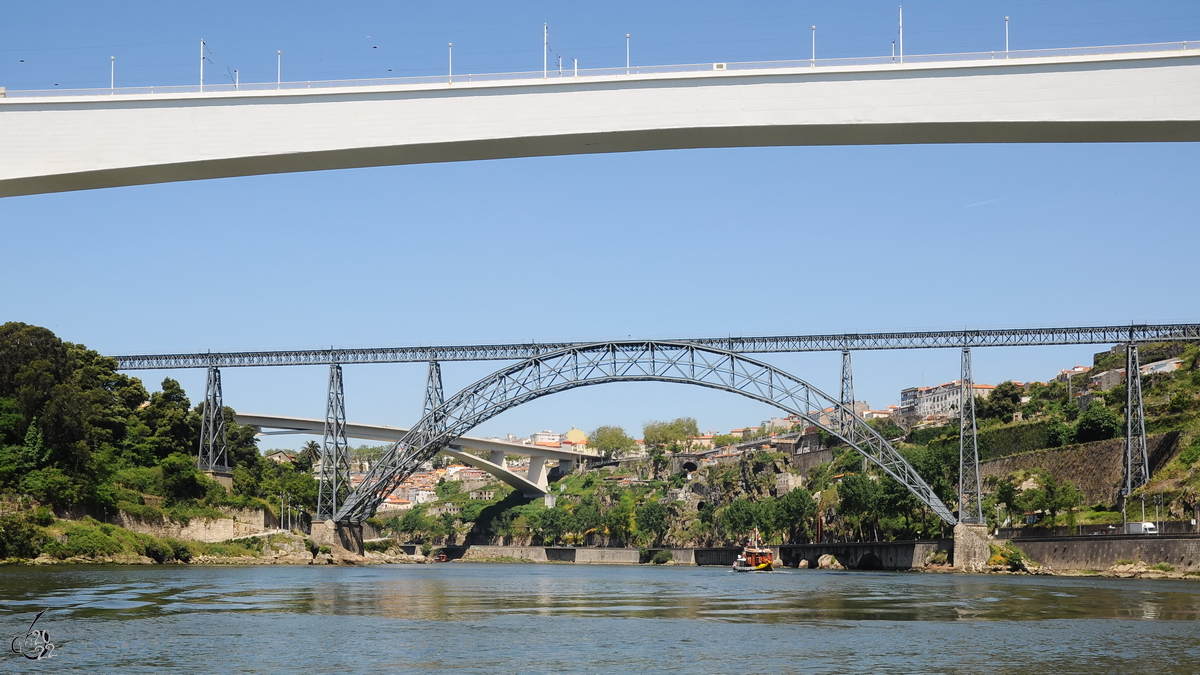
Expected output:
(73, 140)
(532, 484)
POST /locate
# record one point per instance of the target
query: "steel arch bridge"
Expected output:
(632, 361)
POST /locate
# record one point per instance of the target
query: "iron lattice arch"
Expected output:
(636, 361)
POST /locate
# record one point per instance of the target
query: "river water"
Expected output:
(491, 618)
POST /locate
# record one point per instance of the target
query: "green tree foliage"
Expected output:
(1001, 404)
(652, 522)
(611, 441)
(796, 515)
(1051, 496)
(740, 517)
(725, 439)
(670, 436)
(1098, 423)
(862, 501)
(619, 519)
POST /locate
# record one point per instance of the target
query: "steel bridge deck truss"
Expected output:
(1009, 337)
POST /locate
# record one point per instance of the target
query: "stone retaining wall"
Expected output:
(887, 555)
(1096, 468)
(240, 523)
(1101, 552)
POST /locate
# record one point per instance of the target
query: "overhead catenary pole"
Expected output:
(1006, 37)
(545, 47)
(112, 76)
(201, 65)
(278, 68)
(901, 33)
(627, 53)
(451, 47)
(813, 62)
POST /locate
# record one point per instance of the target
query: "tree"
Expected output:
(611, 441)
(554, 524)
(172, 426)
(725, 439)
(670, 436)
(739, 518)
(1001, 404)
(1006, 494)
(587, 518)
(652, 522)
(795, 512)
(181, 480)
(861, 498)
(618, 519)
(1098, 423)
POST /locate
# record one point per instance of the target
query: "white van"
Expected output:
(1140, 528)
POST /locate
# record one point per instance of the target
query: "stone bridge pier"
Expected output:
(971, 550)
(346, 535)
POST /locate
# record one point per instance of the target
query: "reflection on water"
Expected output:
(550, 618)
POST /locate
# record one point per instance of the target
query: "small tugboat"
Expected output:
(755, 557)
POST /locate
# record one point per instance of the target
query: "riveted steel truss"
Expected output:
(434, 394)
(745, 345)
(627, 361)
(213, 455)
(334, 477)
(847, 389)
(1137, 463)
(970, 498)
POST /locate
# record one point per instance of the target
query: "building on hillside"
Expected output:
(1164, 366)
(1064, 375)
(281, 457)
(546, 439)
(936, 403)
(880, 414)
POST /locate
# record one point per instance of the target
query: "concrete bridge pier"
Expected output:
(971, 550)
(537, 472)
(346, 535)
(496, 457)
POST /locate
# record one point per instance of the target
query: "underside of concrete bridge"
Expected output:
(533, 483)
(62, 143)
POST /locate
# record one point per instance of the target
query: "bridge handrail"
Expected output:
(620, 72)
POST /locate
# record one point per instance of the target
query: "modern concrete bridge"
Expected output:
(533, 484)
(61, 141)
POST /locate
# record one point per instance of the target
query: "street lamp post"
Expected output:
(278, 68)
(1006, 37)
(813, 62)
(451, 47)
(627, 53)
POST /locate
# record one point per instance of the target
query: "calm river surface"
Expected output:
(483, 618)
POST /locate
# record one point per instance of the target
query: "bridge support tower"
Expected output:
(970, 499)
(213, 457)
(1137, 462)
(335, 451)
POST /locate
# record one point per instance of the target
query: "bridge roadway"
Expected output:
(533, 484)
(1002, 337)
(53, 143)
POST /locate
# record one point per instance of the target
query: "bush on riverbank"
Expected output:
(24, 536)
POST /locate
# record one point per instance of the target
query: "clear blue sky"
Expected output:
(666, 244)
